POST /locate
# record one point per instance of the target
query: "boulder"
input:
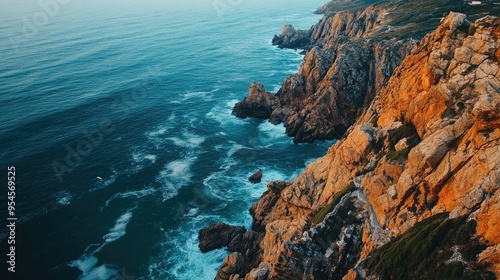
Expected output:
(256, 177)
(233, 265)
(401, 145)
(217, 236)
(258, 104)
(292, 38)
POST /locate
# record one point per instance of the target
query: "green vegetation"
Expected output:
(407, 131)
(320, 216)
(424, 251)
(337, 6)
(415, 18)
(394, 155)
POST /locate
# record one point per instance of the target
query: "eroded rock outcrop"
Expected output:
(342, 70)
(423, 156)
(243, 244)
(218, 235)
(259, 103)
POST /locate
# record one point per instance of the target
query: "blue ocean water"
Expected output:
(118, 121)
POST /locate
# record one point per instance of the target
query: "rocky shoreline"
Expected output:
(339, 77)
(416, 172)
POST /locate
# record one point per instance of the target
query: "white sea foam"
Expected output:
(230, 185)
(158, 132)
(157, 135)
(137, 194)
(200, 95)
(151, 158)
(273, 174)
(220, 178)
(270, 134)
(119, 229)
(175, 175)
(102, 272)
(276, 87)
(139, 157)
(235, 148)
(222, 113)
(203, 95)
(216, 180)
(192, 212)
(64, 198)
(272, 131)
(188, 140)
(188, 262)
(87, 263)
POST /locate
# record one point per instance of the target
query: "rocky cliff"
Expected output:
(342, 70)
(411, 191)
(351, 54)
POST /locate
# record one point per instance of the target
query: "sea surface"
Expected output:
(117, 119)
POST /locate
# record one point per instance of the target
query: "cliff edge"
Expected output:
(350, 55)
(411, 191)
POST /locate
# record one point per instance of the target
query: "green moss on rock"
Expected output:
(320, 216)
(424, 252)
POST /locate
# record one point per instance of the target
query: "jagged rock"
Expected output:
(232, 267)
(258, 104)
(338, 78)
(401, 145)
(260, 273)
(452, 100)
(491, 256)
(249, 245)
(292, 38)
(260, 209)
(488, 220)
(256, 177)
(217, 236)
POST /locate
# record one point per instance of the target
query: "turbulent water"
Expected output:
(118, 122)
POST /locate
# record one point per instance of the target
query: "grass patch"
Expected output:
(337, 6)
(423, 252)
(395, 155)
(320, 216)
(408, 131)
(415, 18)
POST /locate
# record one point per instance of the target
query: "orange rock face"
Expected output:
(443, 103)
(488, 220)
(449, 89)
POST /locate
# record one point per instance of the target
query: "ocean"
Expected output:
(117, 119)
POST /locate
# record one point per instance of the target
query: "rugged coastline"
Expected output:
(416, 171)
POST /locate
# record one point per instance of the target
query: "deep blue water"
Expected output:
(118, 121)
